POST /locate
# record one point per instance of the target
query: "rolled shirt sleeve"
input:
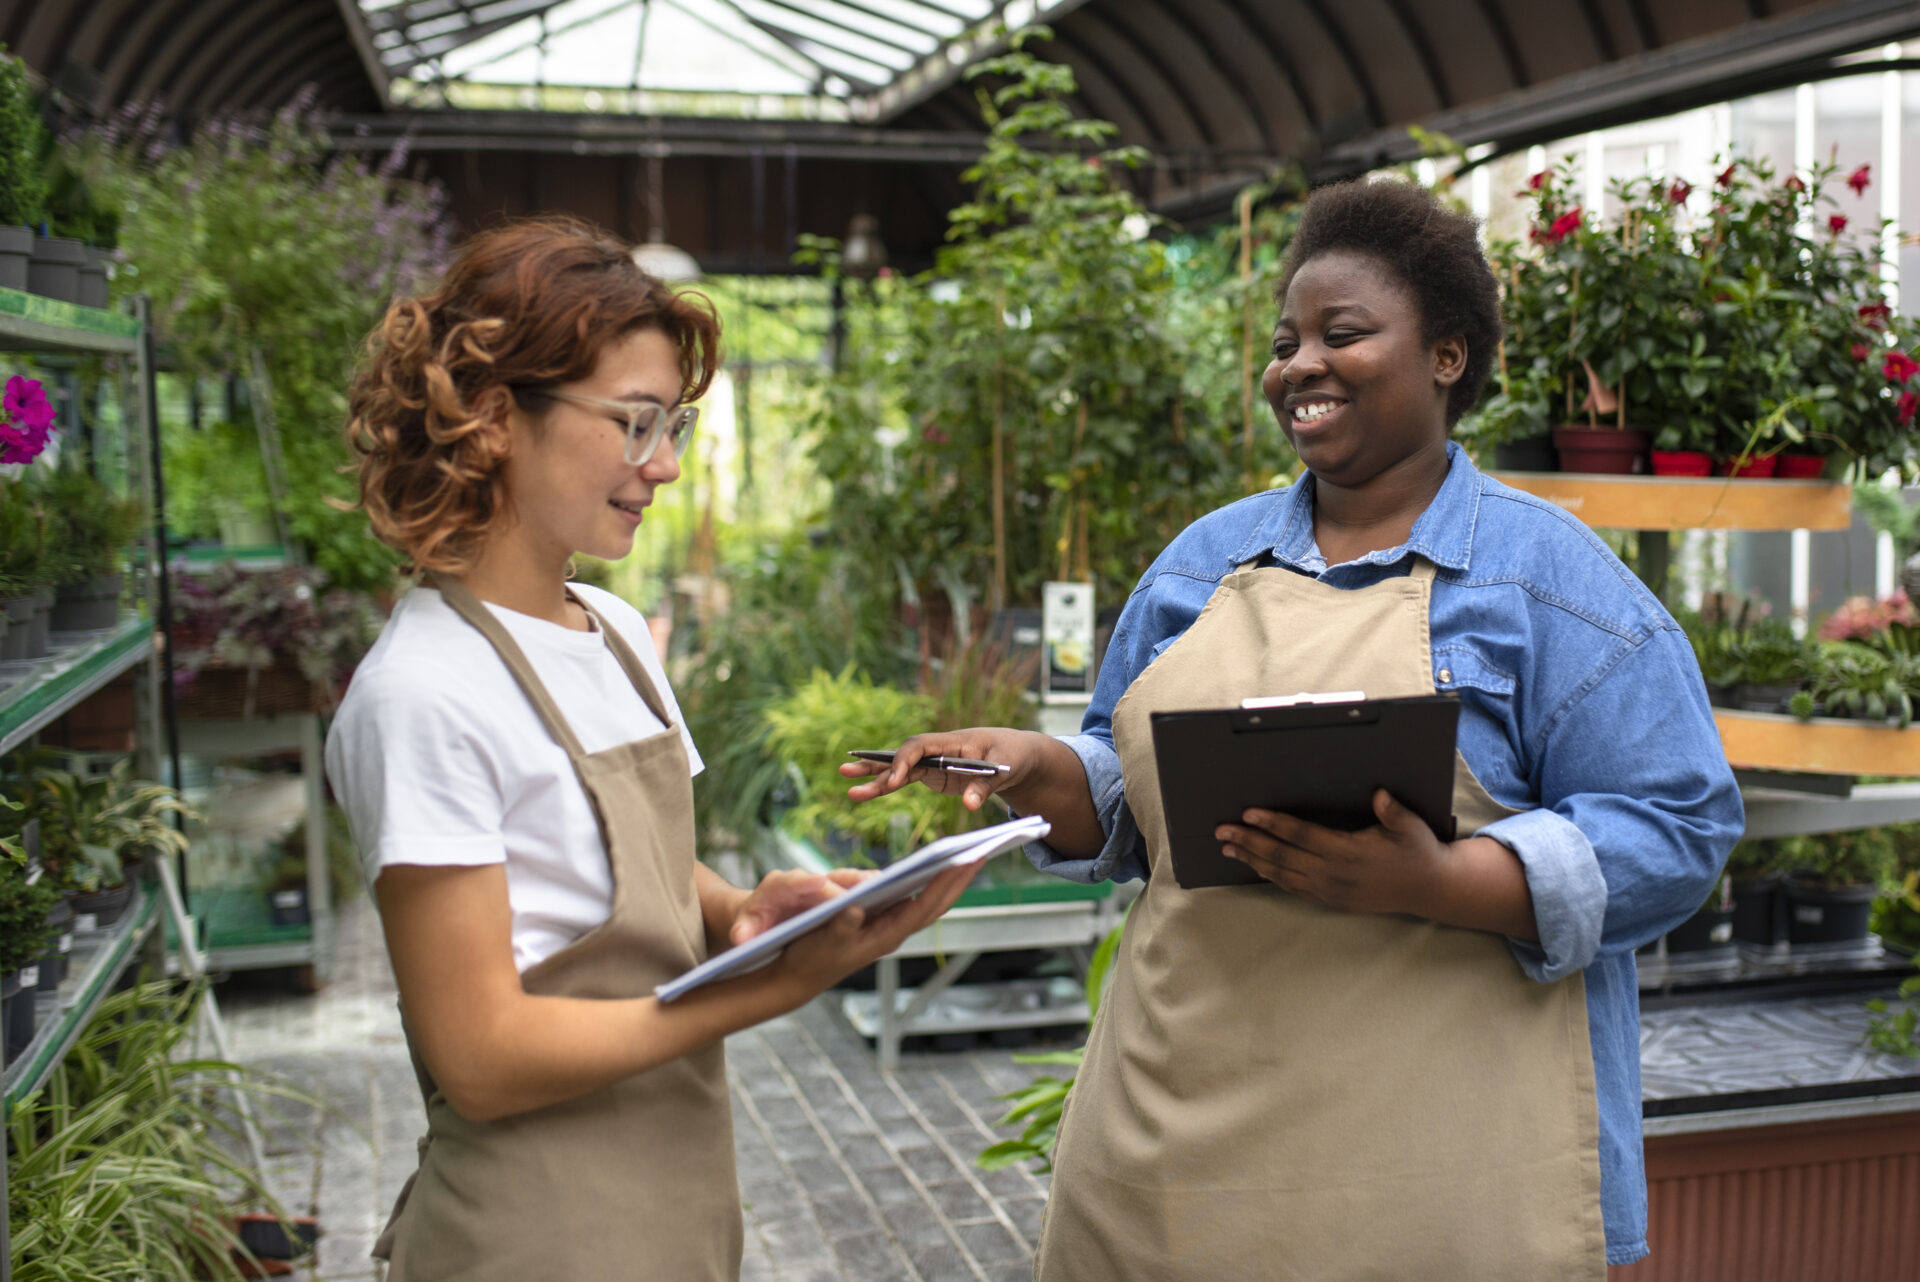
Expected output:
(1124, 857)
(1638, 810)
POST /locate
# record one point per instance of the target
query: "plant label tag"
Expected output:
(29, 977)
(83, 922)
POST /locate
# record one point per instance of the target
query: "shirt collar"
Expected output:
(1443, 533)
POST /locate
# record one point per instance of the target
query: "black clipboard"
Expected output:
(1317, 757)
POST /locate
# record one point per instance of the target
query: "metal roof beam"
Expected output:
(813, 13)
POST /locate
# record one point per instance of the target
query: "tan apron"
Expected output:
(636, 1180)
(1275, 1090)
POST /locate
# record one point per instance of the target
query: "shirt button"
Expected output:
(1446, 675)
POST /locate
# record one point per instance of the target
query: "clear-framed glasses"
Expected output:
(647, 422)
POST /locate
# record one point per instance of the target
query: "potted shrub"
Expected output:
(1832, 882)
(1768, 665)
(22, 187)
(262, 642)
(94, 831)
(1755, 878)
(1854, 680)
(1711, 926)
(27, 898)
(94, 527)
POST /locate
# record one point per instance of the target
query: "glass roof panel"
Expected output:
(831, 52)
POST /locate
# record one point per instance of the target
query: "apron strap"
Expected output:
(1423, 569)
(636, 670)
(468, 607)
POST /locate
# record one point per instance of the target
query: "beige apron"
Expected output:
(636, 1180)
(1275, 1090)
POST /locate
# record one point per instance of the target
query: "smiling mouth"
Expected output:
(1314, 411)
(635, 509)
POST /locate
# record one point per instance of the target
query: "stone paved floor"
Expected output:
(845, 1174)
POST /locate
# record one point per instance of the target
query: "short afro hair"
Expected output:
(1432, 251)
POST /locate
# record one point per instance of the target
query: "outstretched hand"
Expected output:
(1012, 748)
(1392, 867)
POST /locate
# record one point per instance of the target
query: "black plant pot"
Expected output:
(289, 907)
(1528, 454)
(87, 606)
(1759, 910)
(55, 269)
(16, 1011)
(19, 633)
(1827, 914)
(1763, 698)
(268, 1239)
(37, 644)
(16, 253)
(105, 904)
(93, 277)
(53, 963)
(1711, 927)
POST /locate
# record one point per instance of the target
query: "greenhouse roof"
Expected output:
(818, 59)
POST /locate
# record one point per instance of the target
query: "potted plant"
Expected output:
(1854, 680)
(1759, 909)
(1769, 665)
(27, 898)
(95, 830)
(1832, 882)
(285, 884)
(93, 526)
(1711, 926)
(261, 642)
(22, 187)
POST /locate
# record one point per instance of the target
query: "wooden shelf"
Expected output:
(1690, 503)
(1821, 745)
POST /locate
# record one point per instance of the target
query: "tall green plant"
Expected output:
(23, 184)
(123, 1166)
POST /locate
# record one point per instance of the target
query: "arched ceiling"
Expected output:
(1218, 91)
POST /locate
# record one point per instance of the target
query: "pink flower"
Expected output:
(1726, 177)
(1874, 315)
(1794, 184)
(1858, 180)
(1860, 352)
(1836, 223)
(1678, 193)
(26, 420)
(933, 435)
(1909, 402)
(1899, 367)
(1538, 181)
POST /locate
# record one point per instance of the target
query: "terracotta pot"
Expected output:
(1682, 463)
(1614, 451)
(1753, 468)
(1799, 467)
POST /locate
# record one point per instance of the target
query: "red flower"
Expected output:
(1836, 223)
(1794, 183)
(1726, 177)
(1909, 402)
(1538, 181)
(1858, 180)
(1860, 352)
(1678, 193)
(933, 435)
(1563, 226)
(1874, 315)
(1899, 367)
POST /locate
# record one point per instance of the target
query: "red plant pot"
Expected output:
(1753, 468)
(1682, 463)
(1799, 467)
(1614, 451)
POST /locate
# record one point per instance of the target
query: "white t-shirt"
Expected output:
(439, 758)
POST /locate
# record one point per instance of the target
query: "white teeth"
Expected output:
(1314, 411)
(634, 508)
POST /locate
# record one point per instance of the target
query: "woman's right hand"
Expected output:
(855, 938)
(1022, 750)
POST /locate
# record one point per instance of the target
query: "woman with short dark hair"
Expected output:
(518, 780)
(1393, 1056)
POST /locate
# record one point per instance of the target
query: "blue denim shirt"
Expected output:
(1581, 706)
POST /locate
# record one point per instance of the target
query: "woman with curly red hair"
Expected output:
(517, 775)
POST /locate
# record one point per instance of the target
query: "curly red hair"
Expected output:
(530, 303)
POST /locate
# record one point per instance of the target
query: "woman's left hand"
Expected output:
(783, 893)
(1389, 868)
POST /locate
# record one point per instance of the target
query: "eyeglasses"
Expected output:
(647, 422)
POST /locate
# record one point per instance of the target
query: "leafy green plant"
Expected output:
(1038, 1106)
(123, 1166)
(812, 730)
(25, 900)
(230, 616)
(1855, 680)
(1768, 654)
(23, 191)
(1753, 857)
(25, 565)
(1860, 857)
(1897, 1031)
(89, 524)
(91, 824)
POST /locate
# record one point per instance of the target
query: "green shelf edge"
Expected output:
(220, 926)
(132, 927)
(1053, 890)
(28, 706)
(53, 324)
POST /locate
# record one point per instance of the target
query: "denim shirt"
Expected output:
(1581, 706)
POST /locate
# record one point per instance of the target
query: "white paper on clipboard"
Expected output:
(901, 879)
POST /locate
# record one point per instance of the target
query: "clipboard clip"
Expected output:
(1304, 696)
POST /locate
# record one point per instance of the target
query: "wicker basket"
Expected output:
(241, 694)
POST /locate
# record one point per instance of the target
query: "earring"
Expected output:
(572, 569)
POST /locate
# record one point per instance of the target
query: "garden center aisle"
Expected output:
(846, 1175)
